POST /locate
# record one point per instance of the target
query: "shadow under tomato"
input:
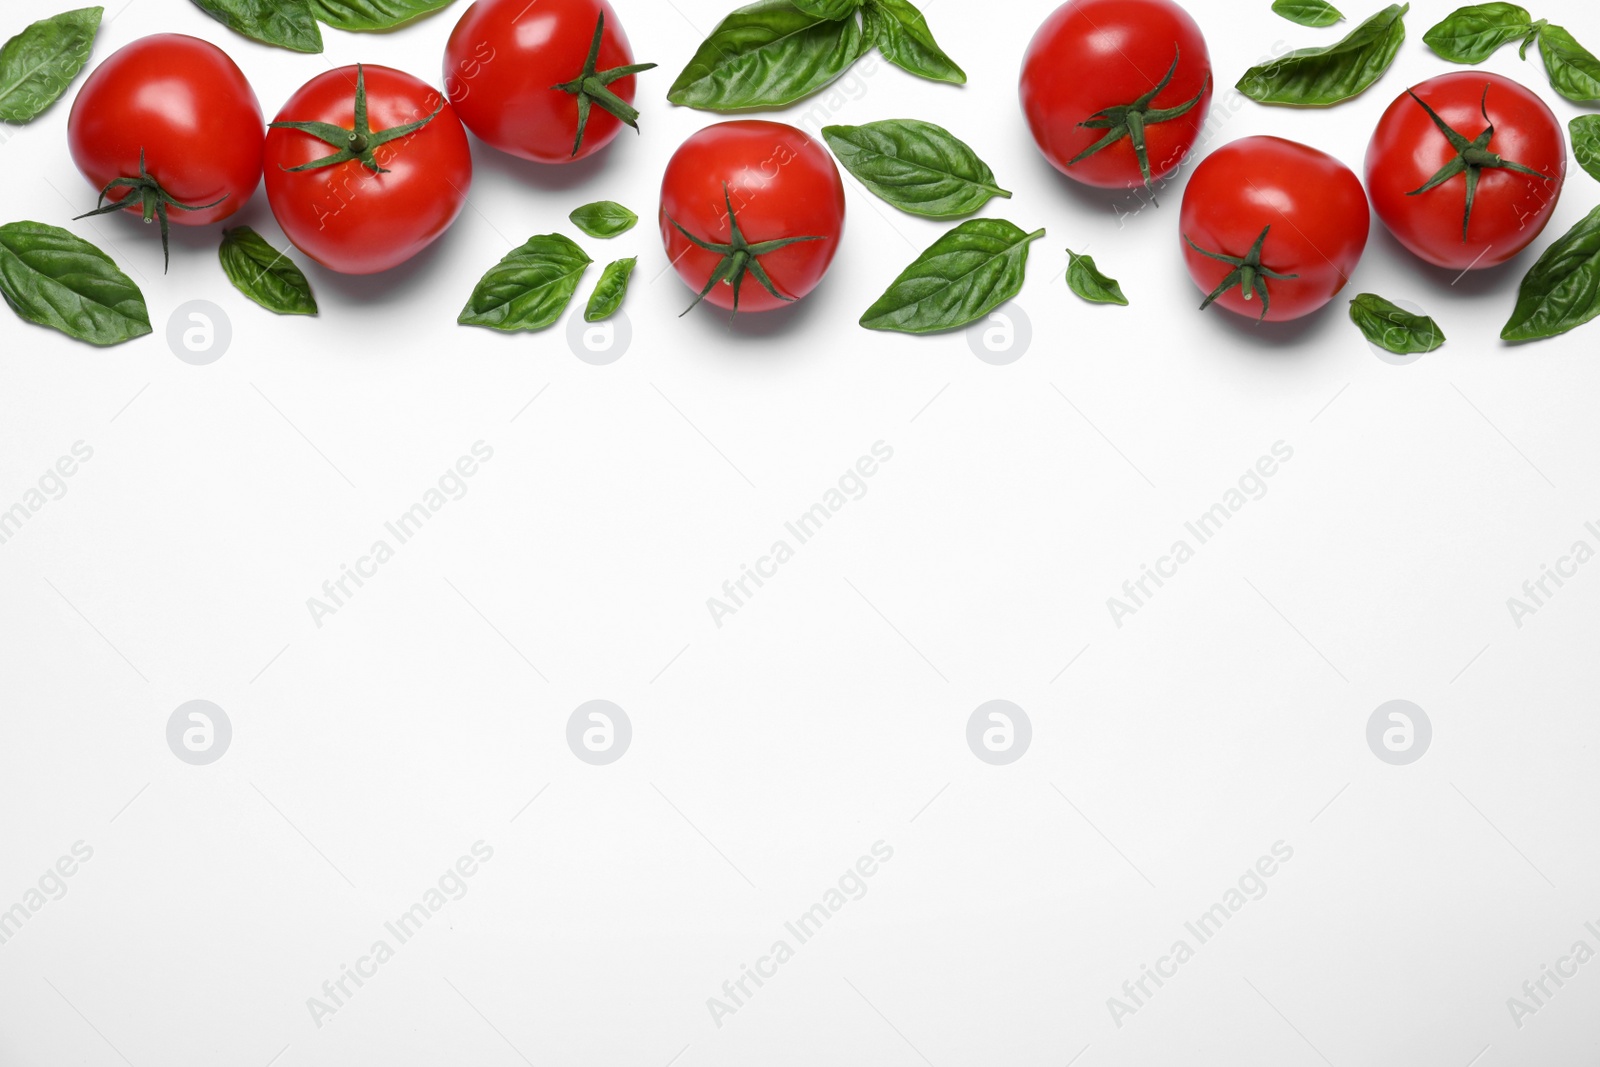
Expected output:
(1469, 285)
(551, 177)
(393, 286)
(714, 322)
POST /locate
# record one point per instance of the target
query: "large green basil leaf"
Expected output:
(961, 277)
(264, 274)
(38, 64)
(1393, 328)
(1473, 34)
(285, 23)
(1573, 69)
(1085, 279)
(603, 218)
(530, 287)
(368, 15)
(54, 278)
(902, 35)
(1318, 77)
(610, 290)
(916, 166)
(1562, 291)
(828, 9)
(1316, 13)
(1586, 143)
(766, 55)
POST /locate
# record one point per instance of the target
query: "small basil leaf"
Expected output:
(530, 287)
(603, 218)
(369, 15)
(1562, 291)
(1085, 279)
(1473, 34)
(38, 64)
(1317, 13)
(902, 35)
(1318, 77)
(828, 9)
(1586, 143)
(285, 23)
(766, 55)
(958, 280)
(610, 290)
(264, 274)
(916, 166)
(1573, 69)
(1393, 328)
(54, 278)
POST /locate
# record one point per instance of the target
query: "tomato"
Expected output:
(169, 127)
(1272, 229)
(746, 200)
(1116, 91)
(547, 80)
(366, 167)
(1478, 194)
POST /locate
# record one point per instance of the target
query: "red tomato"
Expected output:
(365, 203)
(1272, 229)
(169, 126)
(1133, 74)
(751, 214)
(1418, 174)
(547, 80)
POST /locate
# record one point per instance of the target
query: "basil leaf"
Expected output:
(902, 35)
(765, 55)
(961, 277)
(368, 15)
(603, 218)
(1473, 34)
(610, 290)
(38, 64)
(285, 23)
(1393, 328)
(1317, 13)
(54, 278)
(1573, 69)
(1586, 143)
(1085, 279)
(530, 287)
(1562, 291)
(828, 9)
(264, 274)
(1318, 77)
(916, 166)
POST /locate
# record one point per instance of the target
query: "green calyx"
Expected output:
(593, 87)
(360, 143)
(153, 200)
(1249, 274)
(1131, 120)
(1472, 158)
(739, 257)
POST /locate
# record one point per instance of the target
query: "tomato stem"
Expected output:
(359, 144)
(739, 257)
(1249, 274)
(154, 202)
(1130, 120)
(592, 86)
(1472, 157)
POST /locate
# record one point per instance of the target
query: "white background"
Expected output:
(830, 712)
